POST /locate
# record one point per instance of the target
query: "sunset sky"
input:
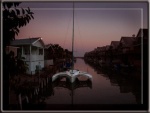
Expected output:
(96, 23)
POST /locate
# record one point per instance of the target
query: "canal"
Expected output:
(105, 89)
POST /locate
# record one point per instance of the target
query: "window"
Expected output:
(19, 52)
(26, 50)
(34, 50)
(40, 51)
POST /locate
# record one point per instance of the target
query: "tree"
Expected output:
(13, 19)
(16, 64)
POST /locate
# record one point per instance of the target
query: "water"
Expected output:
(105, 89)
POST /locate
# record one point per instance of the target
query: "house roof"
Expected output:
(107, 47)
(142, 33)
(48, 45)
(114, 44)
(127, 41)
(101, 48)
(26, 41)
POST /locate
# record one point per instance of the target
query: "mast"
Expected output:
(73, 40)
(72, 56)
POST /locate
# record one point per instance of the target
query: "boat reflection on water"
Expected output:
(64, 83)
(61, 82)
(48, 92)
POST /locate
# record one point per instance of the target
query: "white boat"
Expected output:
(72, 74)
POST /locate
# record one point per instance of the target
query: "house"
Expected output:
(127, 51)
(142, 34)
(107, 54)
(141, 38)
(114, 44)
(140, 44)
(126, 43)
(113, 50)
(49, 55)
(32, 49)
(103, 50)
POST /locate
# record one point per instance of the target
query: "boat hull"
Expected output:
(71, 74)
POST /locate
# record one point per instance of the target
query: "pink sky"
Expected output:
(94, 27)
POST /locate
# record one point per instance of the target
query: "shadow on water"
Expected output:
(72, 86)
(37, 101)
(128, 80)
(63, 95)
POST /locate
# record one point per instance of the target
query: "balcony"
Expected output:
(33, 57)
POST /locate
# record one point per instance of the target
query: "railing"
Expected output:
(33, 57)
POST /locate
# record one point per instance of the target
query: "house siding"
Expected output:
(38, 44)
(32, 50)
(34, 59)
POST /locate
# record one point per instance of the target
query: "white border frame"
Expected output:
(76, 1)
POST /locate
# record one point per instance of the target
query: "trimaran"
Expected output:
(72, 74)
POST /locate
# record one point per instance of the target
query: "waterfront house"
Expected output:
(113, 50)
(126, 44)
(32, 49)
(141, 42)
(114, 44)
(107, 57)
(141, 38)
(142, 34)
(103, 53)
(126, 47)
(49, 55)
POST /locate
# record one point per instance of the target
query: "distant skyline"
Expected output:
(96, 23)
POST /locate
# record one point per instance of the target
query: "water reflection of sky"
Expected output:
(102, 91)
